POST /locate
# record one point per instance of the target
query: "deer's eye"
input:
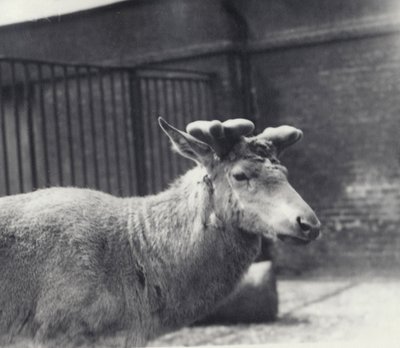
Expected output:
(239, 176)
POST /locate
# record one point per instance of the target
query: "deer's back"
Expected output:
(33, 223)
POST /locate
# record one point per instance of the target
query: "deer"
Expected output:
(79, 265)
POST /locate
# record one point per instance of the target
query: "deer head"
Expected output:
(250, 184)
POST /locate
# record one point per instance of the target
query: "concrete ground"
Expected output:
(314, 311)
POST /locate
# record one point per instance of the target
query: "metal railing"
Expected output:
(93, 126)
(178, 97)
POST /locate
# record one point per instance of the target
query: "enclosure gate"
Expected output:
(92, 126)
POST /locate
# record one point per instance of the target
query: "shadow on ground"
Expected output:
(313, 310)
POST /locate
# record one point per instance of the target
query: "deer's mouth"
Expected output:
(293, 240)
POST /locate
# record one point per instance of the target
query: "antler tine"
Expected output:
(238, 127)
(282, 135)
(220, 136)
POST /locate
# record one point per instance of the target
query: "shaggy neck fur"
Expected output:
(192, 258)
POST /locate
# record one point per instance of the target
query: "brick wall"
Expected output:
(344, 95)
(269, 20)
(123, 33)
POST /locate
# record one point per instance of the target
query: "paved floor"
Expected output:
(314, 310)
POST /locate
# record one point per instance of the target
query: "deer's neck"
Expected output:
(193, 259)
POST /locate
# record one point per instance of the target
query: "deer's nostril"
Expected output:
(310, 230)
(303, 225)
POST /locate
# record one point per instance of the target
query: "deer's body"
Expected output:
(78, 264)
(80, 260)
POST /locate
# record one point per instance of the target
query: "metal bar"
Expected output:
(116, 135)
(17, 127)
(200, 96)
(59, 63)
(44, 124)
(200, 103)
(93, 127)
(4, 134)
(246, 86)
(181, 107)
(184, 115)
(167, 107)
(104, 129)
(31, 130)
(57, 124)
(157, 139)
(193, 99)
(205, 100)
(69, 125)
(174, 120)
(144, 66)
(210, 92)
(126, 133)
(137, 121)
(148, 132)
(147, 110)
(161, 73)
(166, 155)
(81, 125)
(190, 98)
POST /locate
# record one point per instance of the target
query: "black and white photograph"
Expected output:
(192, 173)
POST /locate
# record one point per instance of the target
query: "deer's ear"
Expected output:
(187, 145)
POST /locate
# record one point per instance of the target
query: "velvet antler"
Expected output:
(282, 136)
(221, 136)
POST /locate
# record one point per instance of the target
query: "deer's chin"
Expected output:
(292, 240)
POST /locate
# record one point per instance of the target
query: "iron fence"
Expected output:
(93, 126)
